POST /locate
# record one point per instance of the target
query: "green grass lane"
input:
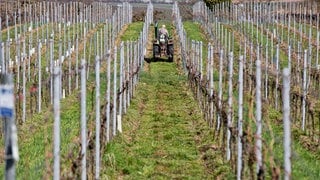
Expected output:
(305, 164)
(194, 31)
(133, 32)
(161, 132)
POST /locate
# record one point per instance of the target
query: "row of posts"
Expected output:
(209, 92)
(129, 64)
(68, 48)
(68, 55)
(302, 59)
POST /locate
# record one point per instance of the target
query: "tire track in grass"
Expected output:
(162, 143)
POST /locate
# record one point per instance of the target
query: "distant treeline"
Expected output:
(210, 3)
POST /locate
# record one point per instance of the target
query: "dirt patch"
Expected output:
(138, 13)
(163, 12)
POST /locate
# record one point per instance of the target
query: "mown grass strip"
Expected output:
(163, 132)
(160, 131)
(194, 31)
(133, 32)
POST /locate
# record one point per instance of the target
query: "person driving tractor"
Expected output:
(164, 31)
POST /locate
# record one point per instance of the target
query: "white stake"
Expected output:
(39, 80)
(220, 87)
(230, 96)
(258, 147)
(304, 88)
(240, 118)
(24, 83)
(108, 96)
(97, 175)
(277, 76)
(83, 121)
(56, 136)
(121, 87)
(114, 124)
(286, 123)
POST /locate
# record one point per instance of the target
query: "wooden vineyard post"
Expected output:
(220, 88)
(240, 118)
(286, 123)
(277, 76)
(24, 83)
(18, 61)
(250, 68)
(60, 64)
(299, 59)
(128, 74)
(51, 61)
(131, 69)
(230, 96)
(56, 111)
(39, 74)
(211, 84)
(114, 124)
(77, 62)
(83, 121)
(68, 56)
(29, 57)
(258, 146)
(124, 79)
(98, 124)
(7, 57)
(121, 87)
(266, 72)
(304, 88)
(108, 96)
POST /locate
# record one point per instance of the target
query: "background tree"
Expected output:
(210, 3)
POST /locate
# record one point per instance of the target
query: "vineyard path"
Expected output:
(163, 130)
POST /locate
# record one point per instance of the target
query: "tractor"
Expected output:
(162, 45)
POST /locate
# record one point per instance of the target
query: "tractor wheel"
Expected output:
(170, 52)
(155, 51)
(170, 58)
